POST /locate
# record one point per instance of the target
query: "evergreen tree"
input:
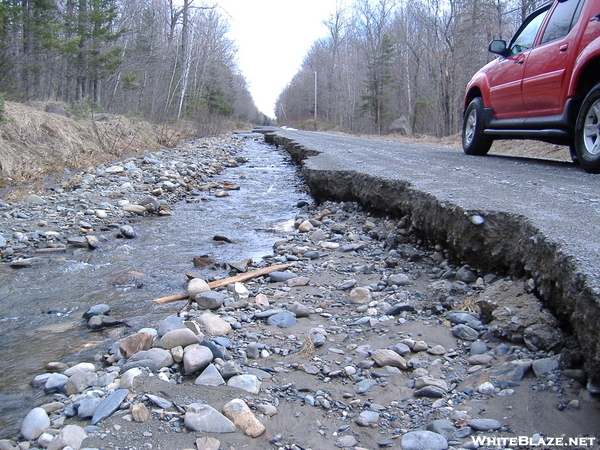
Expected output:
(379, 81)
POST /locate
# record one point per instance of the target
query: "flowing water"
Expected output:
(41, 306)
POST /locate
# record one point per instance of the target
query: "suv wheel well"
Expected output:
(473, 93)
(589, 77)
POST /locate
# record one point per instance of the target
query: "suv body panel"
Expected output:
(535, 93)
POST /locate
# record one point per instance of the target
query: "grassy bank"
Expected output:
(35, 143)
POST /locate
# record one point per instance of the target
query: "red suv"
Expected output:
(544, 85)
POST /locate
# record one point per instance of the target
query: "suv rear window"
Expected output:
(561, 21)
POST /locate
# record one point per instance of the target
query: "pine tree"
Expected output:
(379, 80)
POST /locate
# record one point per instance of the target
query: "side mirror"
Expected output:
(498, 46)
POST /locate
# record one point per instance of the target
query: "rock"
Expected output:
(423, 440)
(483, 360)
(239, 413)
(424, 381)
(240, 292)
(140, 412)
(442, 427)
(486, 388)
(506, 373)
(136, 209)
(249, 383)
(80, 367)
(34, 424)
(466, 275)
(478, 348)
(218, 351)
(541, 336)
(465, 332)
(402, 349)
(485, 424)
(206, 419)
(80, 381)
(364, 385)
(299, 310)
(96, 310)
(70, 436)
(5, 444)
(214, 325)
(209, 300)
(359, 296)
(208, 443)
(280, 277)
(543, 366)
(298, 281)
(56, 382)
(399, 280)
(109, 405)
(179, 337)
(305, 226)
(160, 357)
(32, 198)
(197, 286)
(101, 322)
(267, 409)
(87, 405)
(127, 231)
(346, 441)
(135, 343)
(367, 418)
(399, 308)
(210, 377)
(196, 357)
(387, 357)
(282, 320)
(436, 350)
(170, 323)
(127, 379)
(159, 401)
(430, 391)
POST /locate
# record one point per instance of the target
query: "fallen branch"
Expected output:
(170, 298)
(225, 281)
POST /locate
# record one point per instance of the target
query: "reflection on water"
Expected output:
(41, 306)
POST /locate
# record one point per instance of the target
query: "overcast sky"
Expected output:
(273, 36)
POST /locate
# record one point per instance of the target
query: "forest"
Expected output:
(397, 66)
(384, 66)
(157, 59)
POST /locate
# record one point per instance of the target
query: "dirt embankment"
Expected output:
(35, 143)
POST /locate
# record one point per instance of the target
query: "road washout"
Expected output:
(489, 240)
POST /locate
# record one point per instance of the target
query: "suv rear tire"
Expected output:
(587, 132)
(473, 140)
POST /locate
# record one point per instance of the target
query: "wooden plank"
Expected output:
(170, 298)
(248, 275)
(225, 281)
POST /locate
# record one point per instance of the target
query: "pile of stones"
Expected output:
(91, 206)
(369, 340)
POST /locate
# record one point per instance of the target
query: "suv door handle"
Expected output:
(563, 48)
(595, 18)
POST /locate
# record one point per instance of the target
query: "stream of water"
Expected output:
(41, 307)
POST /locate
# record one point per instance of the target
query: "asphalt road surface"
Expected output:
(559, 199)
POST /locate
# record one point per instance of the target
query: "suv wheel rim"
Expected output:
(470, 126)
(591, 129)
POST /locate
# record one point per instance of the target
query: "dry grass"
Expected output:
(34, 143)
(525, 148)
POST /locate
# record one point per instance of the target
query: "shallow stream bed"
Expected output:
(41, 307)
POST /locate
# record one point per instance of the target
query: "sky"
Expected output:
(273, 37)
